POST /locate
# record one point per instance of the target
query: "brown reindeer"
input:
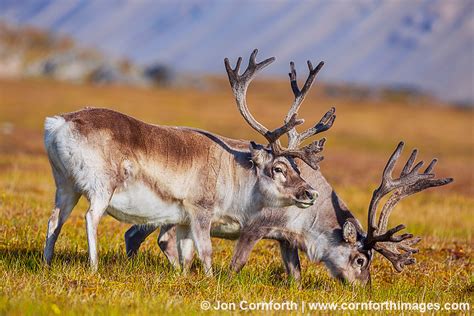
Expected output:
(149, 174)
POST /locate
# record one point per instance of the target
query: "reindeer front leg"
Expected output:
(247, 240)
(200, 229)
(201, 233)
(135, 236)
(184, 248)
(291, 260)
(167, 241)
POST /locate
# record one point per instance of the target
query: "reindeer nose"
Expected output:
(311, 194)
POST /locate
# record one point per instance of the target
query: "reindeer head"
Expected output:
(278, 177)
(351, 260)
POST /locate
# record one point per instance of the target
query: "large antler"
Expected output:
(398, 249)
(308, 153)
(240, 83)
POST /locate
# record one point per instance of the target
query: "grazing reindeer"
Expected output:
(148, 174)
(327, 231)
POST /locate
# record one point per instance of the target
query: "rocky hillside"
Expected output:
(31, 52)
(424, 44)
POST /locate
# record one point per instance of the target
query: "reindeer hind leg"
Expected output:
(66, 199)
(97, 207)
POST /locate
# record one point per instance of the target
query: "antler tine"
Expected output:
(399, 259)
(431, 165)
(293, 82)
(308, 153)
(301, 94)
(387, 181)
(324, 124)
(398, 249)
(410, 161)
(253, 67)
(274, 135)
(240, 83)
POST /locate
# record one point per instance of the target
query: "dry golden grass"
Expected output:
(364, 135)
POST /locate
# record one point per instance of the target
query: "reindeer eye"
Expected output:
(277, 170)
(360, 262)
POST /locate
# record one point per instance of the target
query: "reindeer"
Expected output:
(149, 174)
(327, 231)
(330, 234)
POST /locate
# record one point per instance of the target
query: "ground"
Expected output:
(364, 135)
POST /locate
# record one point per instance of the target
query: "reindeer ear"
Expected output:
(259, 154)
(349, 232)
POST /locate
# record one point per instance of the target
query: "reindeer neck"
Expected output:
(320, 224)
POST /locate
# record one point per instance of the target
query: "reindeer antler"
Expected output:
(398, 249)
(240, 83)
(308, 153)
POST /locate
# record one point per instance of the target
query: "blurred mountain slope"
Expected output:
(425, 44)
(28, 51)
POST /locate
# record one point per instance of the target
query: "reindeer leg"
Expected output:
(291, 260)
(168, 244)
(135, 236)
(247, 240)
(201, 233)
(97, 207)
(65, 201)
(200, 227)
(185, 248)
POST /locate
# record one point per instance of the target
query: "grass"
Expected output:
(364, 135)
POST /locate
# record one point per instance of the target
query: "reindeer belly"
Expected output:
(138, 204)
(225, 228)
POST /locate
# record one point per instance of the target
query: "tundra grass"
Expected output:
(364, 135)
